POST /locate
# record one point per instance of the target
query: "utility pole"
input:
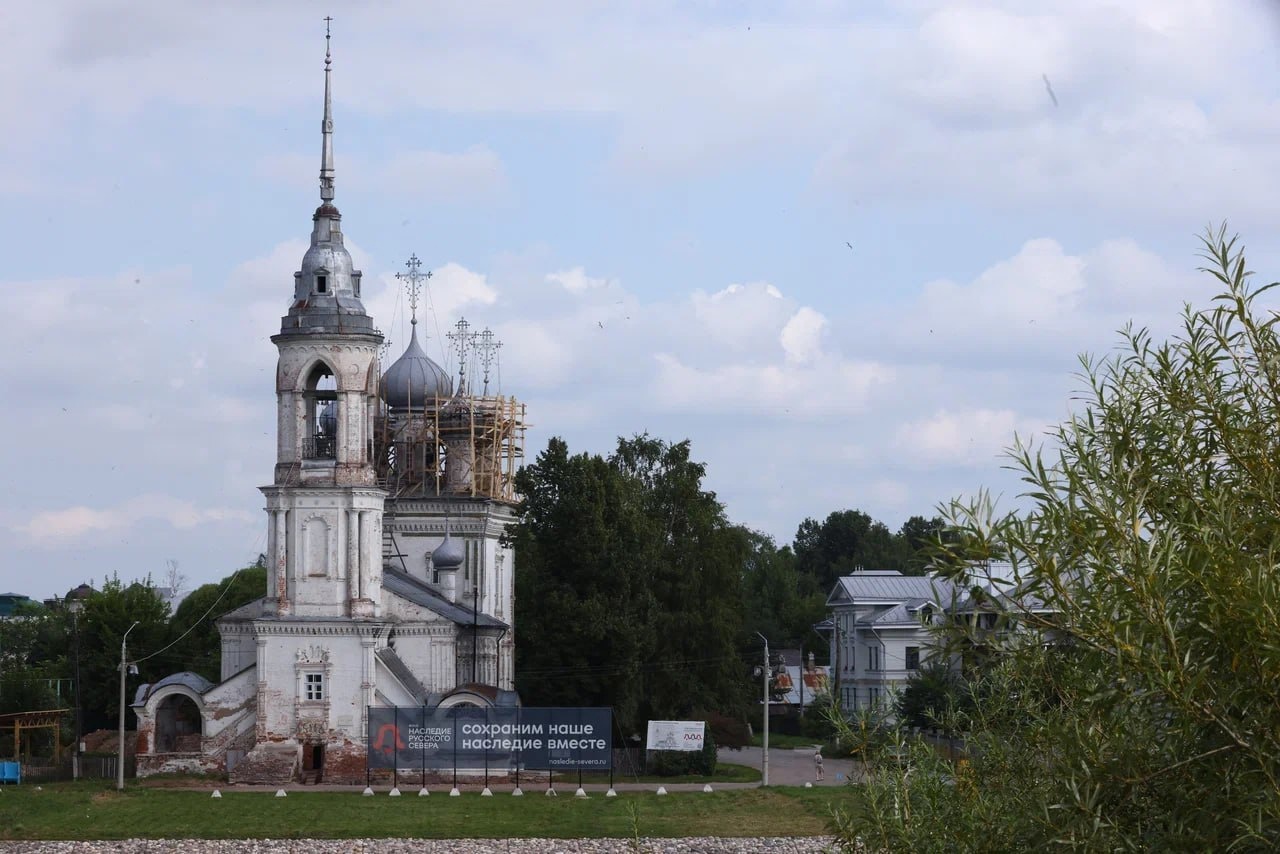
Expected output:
(764, 764)
(124, 668)
(76, 606)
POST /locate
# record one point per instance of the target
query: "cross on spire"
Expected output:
(414, 278)
(462, 342)
(488, 348)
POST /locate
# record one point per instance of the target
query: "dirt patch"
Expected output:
(177, 781)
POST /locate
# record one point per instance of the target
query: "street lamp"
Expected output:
(124, 668)
(75, 605)
(764, 763)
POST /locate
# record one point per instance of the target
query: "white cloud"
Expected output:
(974, 437)
(784, 391)
(55, 528)
(473, 176)
(1038, 308)
(576, 280)
(743, 317)
(802, 336)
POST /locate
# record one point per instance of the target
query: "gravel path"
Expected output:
(691, 845)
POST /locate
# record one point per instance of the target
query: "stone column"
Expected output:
(286, 432)
(260, 710)
(272, 565)
(363, 606)
(342, 435)
(353, 555)
(281, 562)
(299, 427)
(368, 683)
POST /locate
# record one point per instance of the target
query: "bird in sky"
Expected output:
(1049, 88)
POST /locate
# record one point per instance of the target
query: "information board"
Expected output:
(676, 735)
(542, 739)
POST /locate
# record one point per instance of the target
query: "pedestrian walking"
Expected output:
(817, 764)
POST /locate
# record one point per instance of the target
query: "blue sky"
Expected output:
(847, 249)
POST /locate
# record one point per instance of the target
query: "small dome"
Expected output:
(413, 379)
(449, 554)
(330, 258)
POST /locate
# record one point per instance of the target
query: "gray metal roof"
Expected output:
(186, 678)
(420, 593)
(989, 597)
(401, 671)
(401, 584)
(248, 611)
(891, 586)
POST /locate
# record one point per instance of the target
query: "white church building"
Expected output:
(388, 581)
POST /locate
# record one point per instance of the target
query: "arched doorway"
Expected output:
(179, 725)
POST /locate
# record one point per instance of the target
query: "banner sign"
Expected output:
(676, 735)
(498, 739)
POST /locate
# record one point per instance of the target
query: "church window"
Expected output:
(322, 284)
(314, 686)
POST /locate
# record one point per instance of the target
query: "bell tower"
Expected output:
(324, 508)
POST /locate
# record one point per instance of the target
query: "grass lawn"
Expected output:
(725, 773)
(96, 811)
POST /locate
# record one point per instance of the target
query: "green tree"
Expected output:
(1142, 714)
(917, 537)
(193, 628)
(629, 590)
(108, 614)
(850, 539)
(34, 654)
(780, 602)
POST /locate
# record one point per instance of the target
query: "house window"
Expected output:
(313, 687)
(913, 658)
(322, 284)
(873, 658)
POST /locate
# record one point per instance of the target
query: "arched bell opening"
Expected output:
(320, 398)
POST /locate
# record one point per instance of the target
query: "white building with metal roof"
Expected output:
(879, 632)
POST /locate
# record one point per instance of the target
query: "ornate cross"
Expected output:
(488, 348)
(414, 277)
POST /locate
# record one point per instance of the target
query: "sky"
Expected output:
(848, 250)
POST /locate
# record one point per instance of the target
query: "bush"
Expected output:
(1134, 706)
(932, 698)
(732, 733)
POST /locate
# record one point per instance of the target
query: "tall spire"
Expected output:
(326, 127)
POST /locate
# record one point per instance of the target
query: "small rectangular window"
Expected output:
(322, 283)
(314, 686)
(913, 658)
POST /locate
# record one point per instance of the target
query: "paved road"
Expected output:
(789, 767)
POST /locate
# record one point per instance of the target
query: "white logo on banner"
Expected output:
(676, 735)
